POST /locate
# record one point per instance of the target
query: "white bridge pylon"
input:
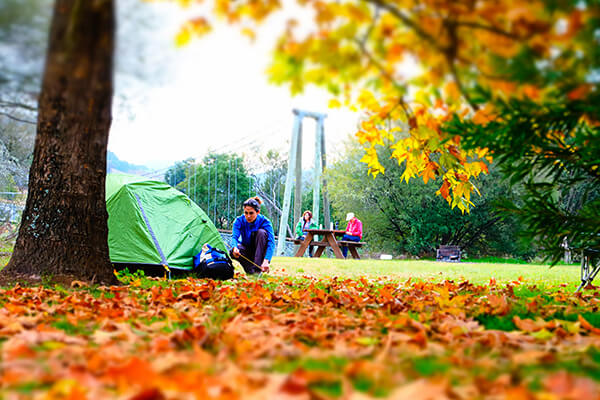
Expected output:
(295, 168)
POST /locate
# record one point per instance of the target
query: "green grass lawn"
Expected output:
(400, 270)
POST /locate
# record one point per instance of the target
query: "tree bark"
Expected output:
(64, 225)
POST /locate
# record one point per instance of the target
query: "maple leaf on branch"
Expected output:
(468, 61)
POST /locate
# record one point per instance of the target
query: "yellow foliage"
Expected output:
(195, 27)
(370, 158)
(334, 103)
(365, 61)
(249, 33)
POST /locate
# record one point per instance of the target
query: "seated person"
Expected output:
(353, 231)
(306, 222)
(252, 238)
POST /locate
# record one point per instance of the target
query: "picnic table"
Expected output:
(328, 240)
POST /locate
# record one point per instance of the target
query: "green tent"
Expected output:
(149, 222)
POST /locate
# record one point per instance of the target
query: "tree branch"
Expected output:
(389, 218)
(25, 121)
(480, 230)
(460, 85)
(407, 21)
(451, 55)
(4, 103)
(490, 28)
(386, 75)
(450, 51)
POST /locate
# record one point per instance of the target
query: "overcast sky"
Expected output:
(213, 93)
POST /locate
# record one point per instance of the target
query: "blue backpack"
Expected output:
(213, 263)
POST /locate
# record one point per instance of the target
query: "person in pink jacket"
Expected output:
(353, 231)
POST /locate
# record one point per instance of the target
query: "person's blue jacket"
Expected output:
(242, 230)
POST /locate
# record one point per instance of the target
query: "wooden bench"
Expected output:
(321, 246)
(448, 253)
(352, 246)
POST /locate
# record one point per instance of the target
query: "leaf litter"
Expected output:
(298, 338)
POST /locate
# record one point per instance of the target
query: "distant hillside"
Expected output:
(114, 164)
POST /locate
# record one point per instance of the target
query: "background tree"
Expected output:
(492, 71)
(517, 82)
(23, 34)
(265, 178)
(16, 144)
(177, 173)
(400, 218)
(24, 28)
(269, 173)
(64, 228)
(551, 151)
(218, 184)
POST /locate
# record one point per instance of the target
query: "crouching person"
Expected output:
(252, 238)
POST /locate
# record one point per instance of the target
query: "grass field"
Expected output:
(543, 276)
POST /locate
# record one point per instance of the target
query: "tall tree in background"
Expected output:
(218, 184)
(23, 34)
(270, 184)
(178, 172)
(23, 37)
(509, 79)
(411, 219)
(64, 228)
(24, 26)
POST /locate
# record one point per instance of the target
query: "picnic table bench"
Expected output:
(352, 246)
(328, 240)
(448, 253)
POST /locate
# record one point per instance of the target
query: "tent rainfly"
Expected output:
(151, 223)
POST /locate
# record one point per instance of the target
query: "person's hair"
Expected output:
(253, 202)
(307, 212)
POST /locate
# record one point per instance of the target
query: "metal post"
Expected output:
(195, 183)
(326, 214)
(318, 172)
(298, 191)
(189, 177)
(208, 191)
(287, 196)
(215, 202)
(228, 192)
(235, 204)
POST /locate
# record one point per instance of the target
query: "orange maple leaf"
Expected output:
(445, 189)
(579, 92)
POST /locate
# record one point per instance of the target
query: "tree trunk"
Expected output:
(64, 225)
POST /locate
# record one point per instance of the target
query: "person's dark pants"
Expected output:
(255, 251)
(310, 248)
(350, 238)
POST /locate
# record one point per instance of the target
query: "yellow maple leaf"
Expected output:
(183, 37)
(249, 33)
(334, 103)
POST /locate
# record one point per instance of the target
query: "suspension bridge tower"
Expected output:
(295, 170)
